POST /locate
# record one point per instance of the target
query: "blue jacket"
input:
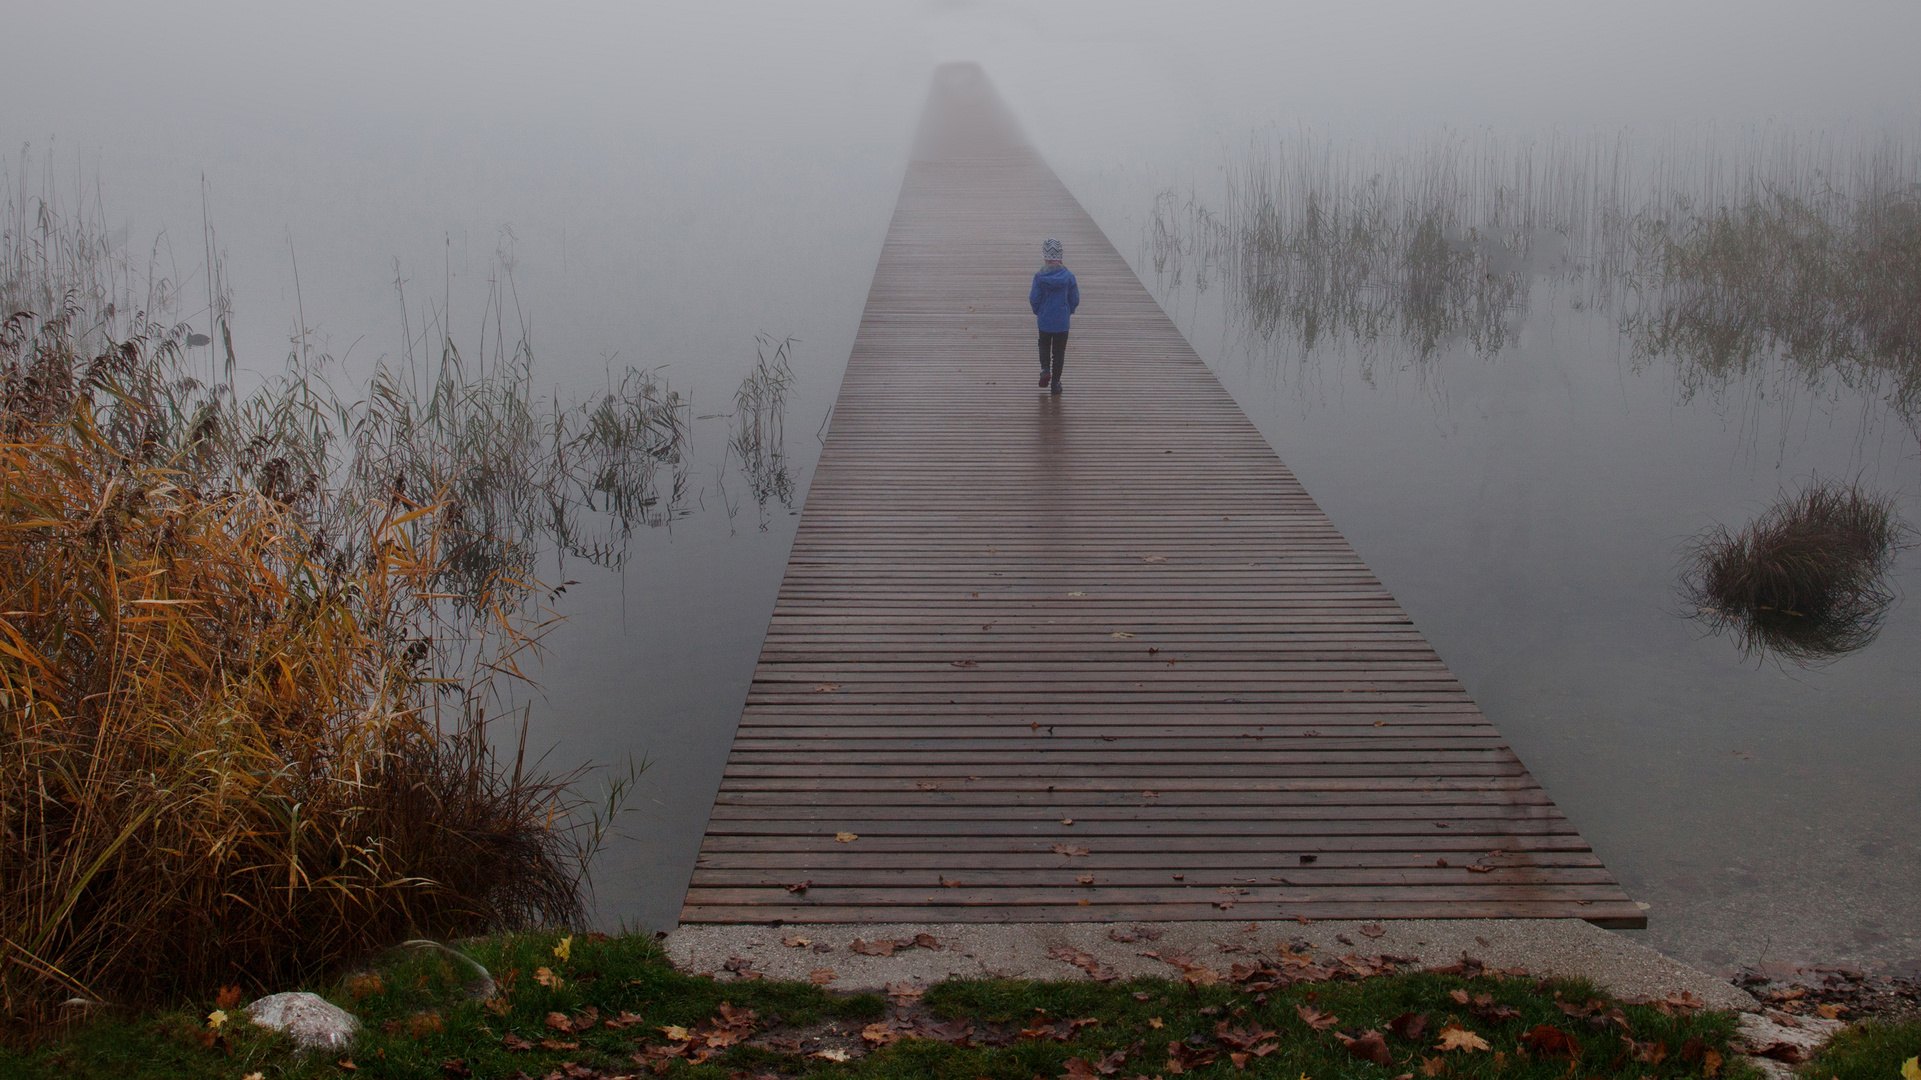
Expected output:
(1054, 297)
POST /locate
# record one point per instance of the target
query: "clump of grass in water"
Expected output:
(1806, 579)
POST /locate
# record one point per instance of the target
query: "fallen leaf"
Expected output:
(362, 986)
(927, 941)
(1546, 1039)
(948, 882)
(546, 977)
(1409, 1026)
(822, 976)
(881, 1033)
(1315, 1018)
(1653, 1052)
(964, 663)
(1069, 850)
(1153, 558)
(1077, 592)
(1086, 961)
(1433, 1066)
(1155, 1023)
(1830, 1012)
(346, 1064)
(1067, 821)
(1120, 634)
(1369, 1046)
(1911, 1069)
(514, 1042)
(904, 993)
(846, 837)
(827, 688)
(454, 1068)
(796, 942)
(1456, 1037)
(872, 948)
(835, 1055)
(1372, 929)
(1711, 1064)
(1085, 879)
(676, 1033)
(564, 948)
(216, 1018)
(227, 997)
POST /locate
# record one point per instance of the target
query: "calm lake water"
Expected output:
(667, 186)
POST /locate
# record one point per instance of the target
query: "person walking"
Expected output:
(1054, 297)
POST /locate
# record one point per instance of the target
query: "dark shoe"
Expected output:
(1044, 378)
(1055, 388)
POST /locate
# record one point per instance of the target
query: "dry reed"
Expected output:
(229, 753)
(1806, 580)
(249, 645)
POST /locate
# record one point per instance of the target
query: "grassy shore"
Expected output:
(594, 1007)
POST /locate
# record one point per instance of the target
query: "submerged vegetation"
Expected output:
(1806, 580)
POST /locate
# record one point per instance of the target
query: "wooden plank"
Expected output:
(1108, 622)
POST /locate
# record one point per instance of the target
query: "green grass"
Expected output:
(419, 1018)
(1867, 1051)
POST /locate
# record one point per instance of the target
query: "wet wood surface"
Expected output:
(1091, 656)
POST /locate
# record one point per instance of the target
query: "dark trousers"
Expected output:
(1053, 352)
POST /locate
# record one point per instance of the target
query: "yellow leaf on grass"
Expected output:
(1911, 1069)
(676, 1033)
(565, 949)
(1456, 1037)
(216, 1018)
(832, 1055)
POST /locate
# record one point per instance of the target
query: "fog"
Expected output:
(667, 182)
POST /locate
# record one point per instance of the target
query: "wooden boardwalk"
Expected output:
(1097, 656)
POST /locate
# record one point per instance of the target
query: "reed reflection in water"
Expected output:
(1777, 253)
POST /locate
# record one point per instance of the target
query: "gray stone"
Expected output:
(308, 1019)
(1778, 1040)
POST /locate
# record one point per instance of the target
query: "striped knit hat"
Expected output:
(1051, 249)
